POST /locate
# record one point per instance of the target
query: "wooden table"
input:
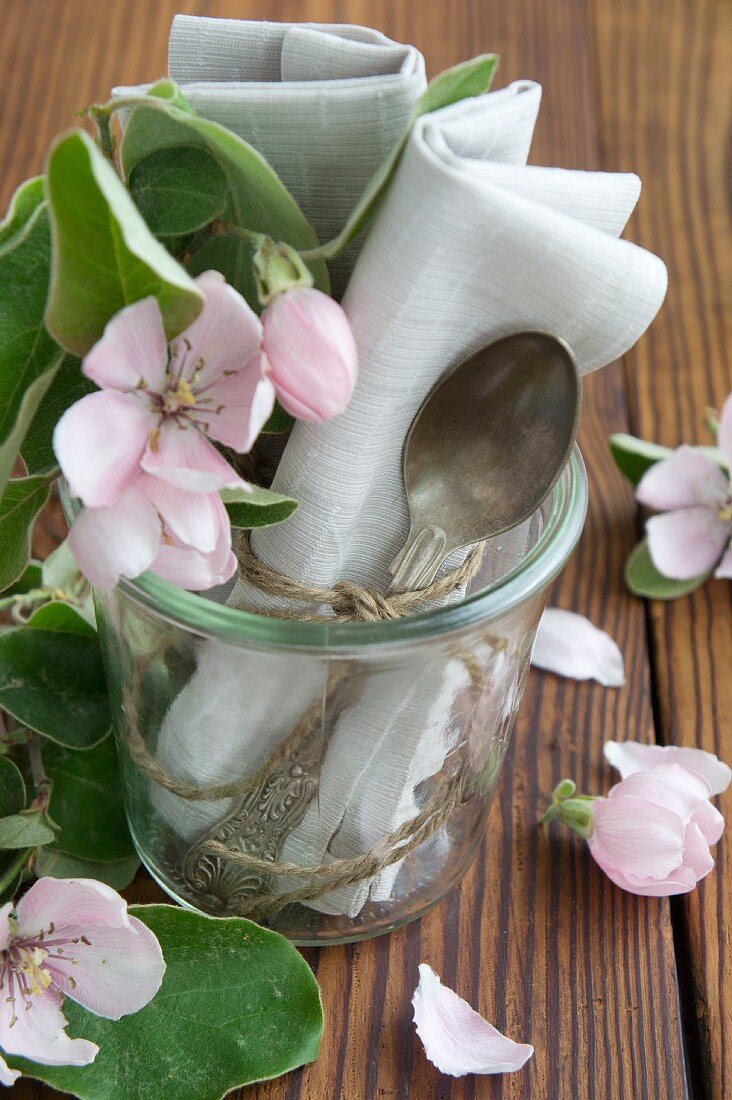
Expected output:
(622, 997)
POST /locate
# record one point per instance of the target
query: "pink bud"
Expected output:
(311, 352)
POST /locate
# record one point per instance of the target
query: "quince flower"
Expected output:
(69, 938)
(692, 535)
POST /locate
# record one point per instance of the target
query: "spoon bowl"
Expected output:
(485, 448)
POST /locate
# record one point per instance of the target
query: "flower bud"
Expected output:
(311, 352)
(277, 268)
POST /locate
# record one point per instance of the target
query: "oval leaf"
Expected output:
(260, 508)
(54, 684)
(61, 618)
(179, 190)
(238, 1004)
(12, 788)
(104, 256)
(643, 579)
(21, 501)
(86, 802)
(24, 831)
(67, 386)
(56, 864)
(634, 456)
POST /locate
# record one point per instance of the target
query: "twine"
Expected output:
(349, 602)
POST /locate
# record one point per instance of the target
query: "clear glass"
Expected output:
(247, 741)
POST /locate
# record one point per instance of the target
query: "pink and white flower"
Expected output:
(69, 938)
(311, 351)
(160, 405)
(455, 1037)
(695, 497)
(570, 645)
(630, 757)
(651, 835)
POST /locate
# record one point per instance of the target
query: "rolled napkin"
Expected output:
(469, 245)
(323, 103)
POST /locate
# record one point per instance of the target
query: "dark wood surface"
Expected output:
(624, 998)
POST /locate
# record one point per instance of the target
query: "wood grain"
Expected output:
(666, 109)
(536, 938)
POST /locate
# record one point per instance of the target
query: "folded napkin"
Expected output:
(469, 245)
(323, 103)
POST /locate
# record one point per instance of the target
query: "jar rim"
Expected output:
(231, 625)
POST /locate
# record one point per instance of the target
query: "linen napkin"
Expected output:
(323, 103)
(469, 245)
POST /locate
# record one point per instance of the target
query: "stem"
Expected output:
(17, 865)
(41, 781)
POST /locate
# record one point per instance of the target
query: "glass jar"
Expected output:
(331, 780)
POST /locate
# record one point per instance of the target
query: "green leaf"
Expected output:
(469, 78)
(260, 508)
(279, 422)
(31, 577)
(634, 456)
(56, 864)
(256, 197)
(53, 682)
(86, 802)
(21, 501)
(68, 386)
(104, 256)
(61, 618)
(29, 357)
(12, 788)
(643, 579)
(238, 1004)
(24, 831)
(178, 191)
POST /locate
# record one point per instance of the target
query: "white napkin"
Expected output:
(469, 245)
(323, 103)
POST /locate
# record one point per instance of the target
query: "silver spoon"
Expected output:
(485, 448)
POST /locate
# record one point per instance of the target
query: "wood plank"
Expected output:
(536, 938)
(666, 95)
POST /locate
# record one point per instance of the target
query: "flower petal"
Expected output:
(670, 786)
(724, 438)
(679, 881)
(192, 518)
(99, 442)
(697, 856)
(632, 756)
(131, 350)
(38, 1032)
(633, 837)
(191, 569)
(5, 924)
(221, 339)
(709, 821)
(569, 644)
(184, 458)
(114, 542)
(455, 1037)
(241, 404)
(8, 1076)
(686, 543)
(684, 479)
(724, 569)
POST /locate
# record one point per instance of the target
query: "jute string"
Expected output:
(349, 602)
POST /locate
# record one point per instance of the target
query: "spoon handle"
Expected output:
(417, 562)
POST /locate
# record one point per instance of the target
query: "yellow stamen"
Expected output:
(32, 960)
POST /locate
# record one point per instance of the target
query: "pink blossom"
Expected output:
(184, 537)
(455, 1037)
(695, 496)
(652, 833)
(70, 938)
(630, 757)
(160, 405)
(311, 352)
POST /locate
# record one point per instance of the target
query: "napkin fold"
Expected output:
(469, 245)
(323, 103)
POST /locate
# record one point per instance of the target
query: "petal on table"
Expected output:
(455, 1037)
(184, 457)
(634, 837)
(132, 350)
(724, 439)
(684, 479)
(709, 821)
(633, 756)
(38, 1032)
(99, 442)
(687, 543)
(114, 542)
(670, 786)
(570, 645)
(724, 569)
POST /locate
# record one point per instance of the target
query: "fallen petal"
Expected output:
(725, 431)
(687, 543)
(8, 1076)
(668, 786)
(633, 756)
(724, 569)
(570, 645)
(633, 838)
(684, 479)
(455, 1037)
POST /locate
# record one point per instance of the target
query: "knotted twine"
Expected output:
(348, 602)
